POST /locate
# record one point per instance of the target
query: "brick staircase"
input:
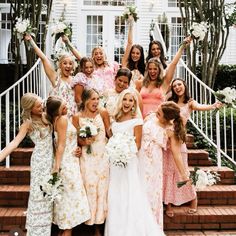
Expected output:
(216, 213)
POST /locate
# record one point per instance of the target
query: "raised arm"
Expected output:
(125, 57)
(24, 128)
(170, 70)
(60, 127)
(75, 52)
(204, 107)
(49, 69)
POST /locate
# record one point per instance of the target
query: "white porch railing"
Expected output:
(34, 81)
(217, 129)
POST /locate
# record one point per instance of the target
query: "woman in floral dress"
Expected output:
(94, 166)
(158, 130)
(173, 194)
(37, 127)
(73, 208)
(129, 212)
(60, 79)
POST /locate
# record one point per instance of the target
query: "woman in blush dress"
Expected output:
(129, 212)
(162, 127)
(173, 194)
(39, 130)
(60, 79)
(156, 83)
(133, 57)
(73, 208)
(94, 165)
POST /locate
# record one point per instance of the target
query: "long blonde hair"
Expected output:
(27, 103)
(118, 113)
(104, 56)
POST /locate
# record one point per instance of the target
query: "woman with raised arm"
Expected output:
(134, 56)
(60, 79)
(163, 127)
(39, 130)
(173, 194)
(129, 212)
(73, 208)
(156, 83)
(94, 165)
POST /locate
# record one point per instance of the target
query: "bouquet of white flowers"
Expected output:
(130, 11)
(227, 96)
(199, 30)
(201, 179)
(87, 131)
(52, 187)
(61, 27)
(23, 27)
(121, 148)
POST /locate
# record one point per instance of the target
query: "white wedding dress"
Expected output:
(129, 212)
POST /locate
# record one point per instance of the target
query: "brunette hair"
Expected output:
(83, 61)
(174, 97)
(171, 111)
(86, 95)
(159, 79)
(140, 63)
(124, 72)
(162, 56)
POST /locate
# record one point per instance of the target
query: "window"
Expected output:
(172, 3)
(108, 2)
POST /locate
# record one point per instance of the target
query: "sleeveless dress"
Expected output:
(129, 212)
(95, 172)
(150, 155)
(39, 212)
(171, 193)
(73, 207)
(151, 100)
(106, 75)
(64, 90)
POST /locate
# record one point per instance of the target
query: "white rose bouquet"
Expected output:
(121, 148)
(227, 96)
(201, 179)
(23, 27)
(199, 30)
(87, 131)
(130, 11)
(52, 187)
(61, 27)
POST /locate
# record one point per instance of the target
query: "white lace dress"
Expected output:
(129, 212)
(39, 212)
(73, 207)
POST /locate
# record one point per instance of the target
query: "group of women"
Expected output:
(129, 100)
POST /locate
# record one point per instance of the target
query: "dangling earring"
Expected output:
(133, 111)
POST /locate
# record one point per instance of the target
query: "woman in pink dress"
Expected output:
(104, 70)
(157, 130)
(60, 79)
(173, 194)
(156, 83)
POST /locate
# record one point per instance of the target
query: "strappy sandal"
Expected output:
(192, 211)
(170, 213)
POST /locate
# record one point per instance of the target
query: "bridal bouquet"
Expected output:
(23, 27)
(199, 30)
(87, 131)
(226, 96)
(121, 148)
(201, 178)
(52, 187)
(130, 11)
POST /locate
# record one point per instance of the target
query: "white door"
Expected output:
(105, 29)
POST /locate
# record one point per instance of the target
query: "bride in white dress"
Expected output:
(129, 213)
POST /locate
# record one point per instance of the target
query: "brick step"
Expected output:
(199, 157)
(190, 141)
(227, 175)
(11, 218)
(201, 233)
(206, 218)
(16, 175)
(217, 195)
(14, 195)
(21, 156)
